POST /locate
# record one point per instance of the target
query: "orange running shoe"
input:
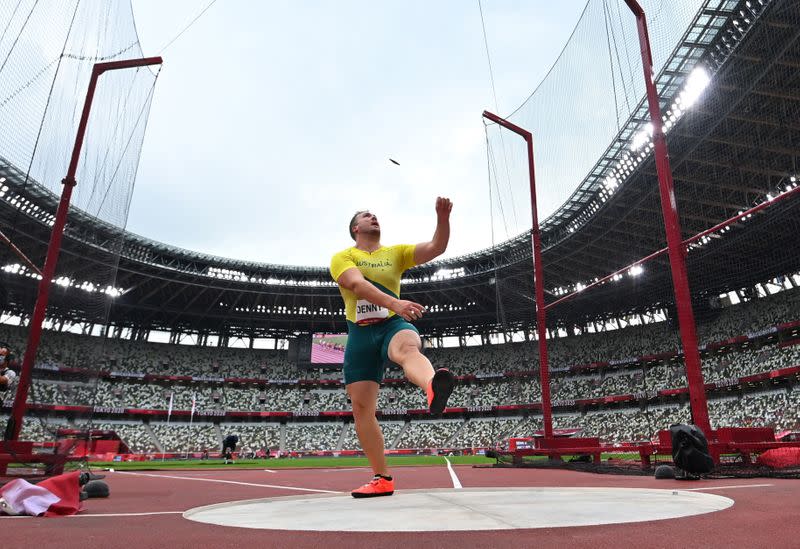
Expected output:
(378, 486)
(439, 390)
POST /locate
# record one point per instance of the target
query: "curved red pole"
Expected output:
(677, 251)
(20, 400)
(538, 275)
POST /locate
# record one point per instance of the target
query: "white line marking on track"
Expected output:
(456, 482)
(270, 471)
(230, 482)
(727, 487)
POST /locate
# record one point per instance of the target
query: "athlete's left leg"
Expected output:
(404, 349)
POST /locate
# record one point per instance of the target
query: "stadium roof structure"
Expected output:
(735, 148)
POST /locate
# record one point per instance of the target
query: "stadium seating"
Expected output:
(486, 387)
(390, 429)
(187, 438)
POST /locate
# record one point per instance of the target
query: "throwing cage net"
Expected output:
(47, 57)
(617, 365)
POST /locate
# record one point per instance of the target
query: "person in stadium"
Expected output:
(229, 447)
(379, 329)
(7, 375)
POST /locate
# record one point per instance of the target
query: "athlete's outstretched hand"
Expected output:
(443, 207)
(409, 310)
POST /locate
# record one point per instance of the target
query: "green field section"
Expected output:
(287, 463)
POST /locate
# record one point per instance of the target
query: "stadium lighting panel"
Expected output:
(446, 274)
(695, 86)
(87, 287)
(113, 292)
(64, 281)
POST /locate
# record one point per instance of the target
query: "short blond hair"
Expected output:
(353, 222)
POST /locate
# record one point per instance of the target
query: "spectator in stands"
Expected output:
(379, 328)
(7, 375)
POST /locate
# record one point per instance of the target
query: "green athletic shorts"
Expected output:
(367, 348)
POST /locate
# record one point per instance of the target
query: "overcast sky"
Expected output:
(273, 122)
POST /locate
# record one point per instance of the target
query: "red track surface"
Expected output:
(763, 516)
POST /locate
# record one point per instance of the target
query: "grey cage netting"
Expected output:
(725, 77)
(47, 53)
(588, 97)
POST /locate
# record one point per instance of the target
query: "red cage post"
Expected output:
(677, 251)
(538, 275)
(20, 400)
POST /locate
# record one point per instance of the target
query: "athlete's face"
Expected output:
(367, 223)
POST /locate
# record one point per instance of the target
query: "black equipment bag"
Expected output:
(690, 449)
(230, 442)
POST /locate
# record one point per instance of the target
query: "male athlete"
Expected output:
(379, 328)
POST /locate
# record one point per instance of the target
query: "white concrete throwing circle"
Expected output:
(458, 510)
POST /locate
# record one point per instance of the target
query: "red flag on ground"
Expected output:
(53, 497)
(780, 458)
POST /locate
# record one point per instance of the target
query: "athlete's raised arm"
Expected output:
(426, 251)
